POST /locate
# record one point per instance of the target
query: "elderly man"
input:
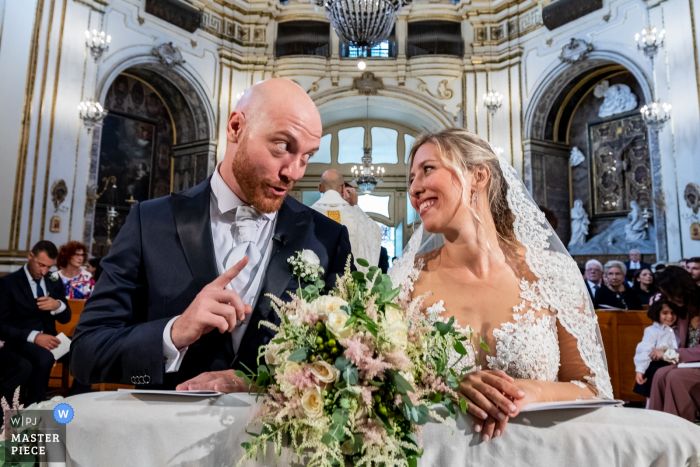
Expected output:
(634, 264)
(173, 305)
(365, 234)
(594, 276)
(31, 301)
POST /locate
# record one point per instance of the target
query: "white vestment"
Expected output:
(365, 234)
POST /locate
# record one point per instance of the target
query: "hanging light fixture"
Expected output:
(656, 114)
(493, 101)
(97, 42)
(362, 65)
(91, 113)
(650, 41)
(367, 177)
(362, 23)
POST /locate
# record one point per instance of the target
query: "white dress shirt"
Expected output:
(32, 285)
(222, 209)
(656, 336)
(593, 287)
(365, 235)
(634, 265)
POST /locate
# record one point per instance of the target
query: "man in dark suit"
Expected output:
(31, 301)
(383, 260)
(186, 270)
(634, 264)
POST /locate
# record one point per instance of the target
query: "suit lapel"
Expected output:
(24, 285)
(193, 223)
(290, 236)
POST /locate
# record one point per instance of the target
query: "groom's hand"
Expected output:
(213, 308)
(223, 381)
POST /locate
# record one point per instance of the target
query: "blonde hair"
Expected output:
(463, 151)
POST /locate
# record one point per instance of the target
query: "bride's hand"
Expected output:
(490, 392)
(493, 428)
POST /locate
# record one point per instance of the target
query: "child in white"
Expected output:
(659, 339)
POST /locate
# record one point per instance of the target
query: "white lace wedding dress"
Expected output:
(527, 347)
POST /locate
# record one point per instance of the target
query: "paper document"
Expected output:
(191, 393)
(582, 404)
(608, 307)
(689, 365)
(63, 347)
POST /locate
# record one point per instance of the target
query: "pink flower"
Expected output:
(373, 430)
(398, 359)
(361, 355)
(367, 394)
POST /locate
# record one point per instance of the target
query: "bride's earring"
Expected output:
(476, 197)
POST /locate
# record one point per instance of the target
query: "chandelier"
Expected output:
(650, 41)
(362, 23)
(493, 101)
(367, 177)
(91, 113)
(97, 42)
(656, 114)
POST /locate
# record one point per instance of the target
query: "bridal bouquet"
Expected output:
(351, 376)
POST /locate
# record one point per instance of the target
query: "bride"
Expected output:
(499, 268)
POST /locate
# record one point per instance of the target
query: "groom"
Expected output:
(183, 289)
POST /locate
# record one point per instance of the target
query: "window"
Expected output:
(408, 142)
(411, 213)
(323, 155)
(310, 197)
(303, 38)
(385, 49)
(376, 204)
(398, 251)
(350, 145)
(384, 141)
(388, 239)
(434, 38)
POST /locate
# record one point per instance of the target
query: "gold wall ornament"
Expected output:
(695, 231)
(691, 194)
(443, 91)
(55, 224)
(368, 84)
(59, 191)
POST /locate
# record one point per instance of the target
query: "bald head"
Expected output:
(331, 180)
(266, 99)
(271, 135)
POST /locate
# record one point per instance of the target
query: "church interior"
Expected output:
(109, 103)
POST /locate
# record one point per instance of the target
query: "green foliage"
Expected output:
(299, 355)
(362, 262)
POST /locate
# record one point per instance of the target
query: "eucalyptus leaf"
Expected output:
(362, 262)
(463, 405)
(342, 362)
(358, 276)
(422, 412)
(402, 386)
(299, 355)
(484, 345)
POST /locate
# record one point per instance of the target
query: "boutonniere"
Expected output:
(53, 276)
(307, 268)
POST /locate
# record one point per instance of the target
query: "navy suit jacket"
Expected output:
(159, 262)
(630, 272)
(19, 312)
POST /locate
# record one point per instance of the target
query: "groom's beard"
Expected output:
(254, 189)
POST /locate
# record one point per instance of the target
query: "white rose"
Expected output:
(324, 372)
(310, 257)
(273, 355)
(393, 316)
(397, 335)
(407, 376)
(336, 324)
(312, 403)
(326, 304)
(286, 387)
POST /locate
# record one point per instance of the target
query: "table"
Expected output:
(116, 429)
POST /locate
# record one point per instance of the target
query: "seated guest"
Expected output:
(365, 234)
(677, 390)
(659, 335)
(643, 285)
(658, 267)
(634, 264)
(693, 267)
(683, 263)
(616, 293)
(31, 301)
(594, 276)
(95, 268)
(77, 282)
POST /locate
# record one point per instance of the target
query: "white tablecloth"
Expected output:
(117, 429)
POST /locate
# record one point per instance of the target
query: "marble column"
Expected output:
(658, 195)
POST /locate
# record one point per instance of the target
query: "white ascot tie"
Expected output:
(245, 232)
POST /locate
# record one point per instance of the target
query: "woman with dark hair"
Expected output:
(677, 390)
(77, 281)
(95, 268)
(643, 285)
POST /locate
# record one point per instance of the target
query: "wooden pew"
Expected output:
(622, 331)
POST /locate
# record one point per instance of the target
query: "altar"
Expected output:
(117, 429)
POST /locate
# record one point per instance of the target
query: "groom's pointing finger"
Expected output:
(223, 280)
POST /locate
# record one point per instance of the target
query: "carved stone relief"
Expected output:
(168, 54)
(575, 51)
(618, 99)
(692, 196)
(443, 92)
(576, 157)
(368, 84)
(59, 191)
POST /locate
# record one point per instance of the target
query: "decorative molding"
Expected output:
(168, 54)
(575, 51)
(368, 84)
(443, 91)
(691, 195)
(59, 191)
